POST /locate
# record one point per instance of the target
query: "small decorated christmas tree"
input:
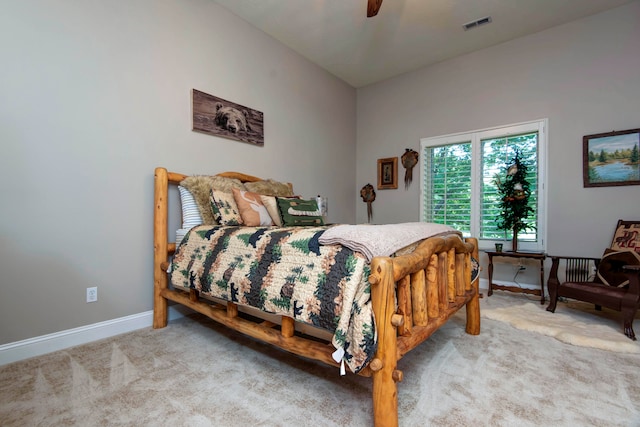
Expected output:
(514, 199)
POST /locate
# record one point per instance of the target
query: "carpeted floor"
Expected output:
(195, 373)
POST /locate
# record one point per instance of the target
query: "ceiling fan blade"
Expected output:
(373, 6)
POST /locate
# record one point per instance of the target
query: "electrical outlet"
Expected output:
(92, 294)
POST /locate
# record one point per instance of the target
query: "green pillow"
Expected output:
(299, 212)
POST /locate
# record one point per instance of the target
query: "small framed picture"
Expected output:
(611, 159)
(388, 173)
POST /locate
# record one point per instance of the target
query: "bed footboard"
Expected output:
(412, 296)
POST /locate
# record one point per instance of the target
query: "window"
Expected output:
(458, 180)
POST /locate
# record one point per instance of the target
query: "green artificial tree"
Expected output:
(514, 199)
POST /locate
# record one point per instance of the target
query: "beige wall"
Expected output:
(95, 94)
(583, 76)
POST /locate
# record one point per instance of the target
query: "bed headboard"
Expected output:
(176, 178)
(241, 176)
(163, 179)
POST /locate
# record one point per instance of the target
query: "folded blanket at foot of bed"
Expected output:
(384, 239)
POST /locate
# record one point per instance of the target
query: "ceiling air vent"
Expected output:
(474, 24)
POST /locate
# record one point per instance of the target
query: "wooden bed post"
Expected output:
(160, 246)
(385, 375)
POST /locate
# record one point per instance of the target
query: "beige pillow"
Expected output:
(271, 204)
(251, 208)
(224, 207)
(270, 187)
(201, 185)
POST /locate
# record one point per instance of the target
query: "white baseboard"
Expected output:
(44, 344)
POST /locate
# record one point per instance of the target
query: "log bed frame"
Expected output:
(412, 296)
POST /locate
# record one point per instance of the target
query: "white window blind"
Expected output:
(458, 180)
(447, 186)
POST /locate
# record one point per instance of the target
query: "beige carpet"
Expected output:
(195, 373)
(574, 322)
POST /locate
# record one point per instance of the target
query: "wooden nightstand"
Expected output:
(540, 256)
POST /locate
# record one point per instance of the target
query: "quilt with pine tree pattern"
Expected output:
(284, 271)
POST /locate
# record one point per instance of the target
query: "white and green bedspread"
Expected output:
(284, 271)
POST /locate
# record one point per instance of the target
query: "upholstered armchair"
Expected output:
(612, 281)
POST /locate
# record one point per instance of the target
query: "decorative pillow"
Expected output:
(270, 187)
(610, 268)
(190, 212)
(251, 208)
(224, 208)
(180, 235)
(200, 186)
(299, 212)
(626, 237)
(271, 204)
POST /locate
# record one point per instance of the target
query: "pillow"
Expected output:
(299, 212)
(251, 208)
(610, 268)
(271, 204)
(270, 187)
(190, 212)
(626, 237)
(200, 186)
(180, 235)
(224, 208)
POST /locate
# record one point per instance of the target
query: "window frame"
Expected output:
(475, 137)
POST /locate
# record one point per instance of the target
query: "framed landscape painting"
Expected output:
(611, 159)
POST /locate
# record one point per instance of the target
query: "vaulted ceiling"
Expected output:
(406, 34)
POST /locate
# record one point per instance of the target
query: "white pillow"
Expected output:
(180, 235)
(190, 212)
(271, 204)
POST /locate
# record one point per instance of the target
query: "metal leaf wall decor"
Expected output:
(368, 195)
(409, 161)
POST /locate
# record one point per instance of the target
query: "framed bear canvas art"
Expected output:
(219, 117)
